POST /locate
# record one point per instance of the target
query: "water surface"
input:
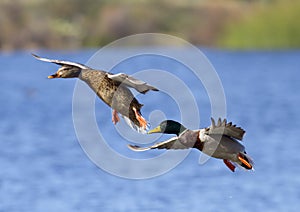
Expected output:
(45, 169)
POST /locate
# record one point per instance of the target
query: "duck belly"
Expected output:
(113, 93)
(223, 147)
(123, 101)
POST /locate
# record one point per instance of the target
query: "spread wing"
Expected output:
(139, 85)
(224, 128)
(61, 63)
(172, 143)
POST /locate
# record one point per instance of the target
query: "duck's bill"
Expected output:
(155, 130)
(53, 76)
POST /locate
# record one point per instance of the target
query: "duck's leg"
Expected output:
(115, 118)
(142, 121)
(229, 164)
(244, 161)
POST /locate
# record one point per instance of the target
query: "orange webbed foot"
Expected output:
(229, 165)
(141, 120)
(115, 118)
(244, 161)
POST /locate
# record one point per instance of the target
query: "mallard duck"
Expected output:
(113, 89)
(219, 141)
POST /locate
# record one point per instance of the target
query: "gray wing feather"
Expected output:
(224, 128)
(139, 85)
(61, 62)
(172, 143)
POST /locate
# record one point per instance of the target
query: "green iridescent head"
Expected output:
(168, 127)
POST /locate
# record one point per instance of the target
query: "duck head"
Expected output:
(66, 72)
(168, 127)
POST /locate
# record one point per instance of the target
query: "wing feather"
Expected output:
(137, 84)
(171, 143)
(61, 62)
(224, 128)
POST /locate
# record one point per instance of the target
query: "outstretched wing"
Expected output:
(224, 128)
(60, 62)
(172, 143)
(139, 85)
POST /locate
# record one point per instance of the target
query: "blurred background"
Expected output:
(69, 24)
(254, 47)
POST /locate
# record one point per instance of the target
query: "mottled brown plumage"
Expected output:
(111, 88)
(113, 93)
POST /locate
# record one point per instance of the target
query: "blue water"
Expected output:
(44, 168)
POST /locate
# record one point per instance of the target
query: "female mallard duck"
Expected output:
(111, 88)
(218, 141)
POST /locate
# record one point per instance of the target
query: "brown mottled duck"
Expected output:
(219, 141)
(113, 89)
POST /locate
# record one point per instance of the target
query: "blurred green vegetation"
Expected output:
(69, 24)
(269, 27)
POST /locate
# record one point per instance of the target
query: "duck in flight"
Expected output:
(219, 141)
(113, 89)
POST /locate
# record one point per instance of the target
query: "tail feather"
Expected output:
(138, 148)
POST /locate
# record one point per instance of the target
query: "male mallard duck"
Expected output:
(111, 88)
(218, 141)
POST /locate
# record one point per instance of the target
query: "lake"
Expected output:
(45, 168)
